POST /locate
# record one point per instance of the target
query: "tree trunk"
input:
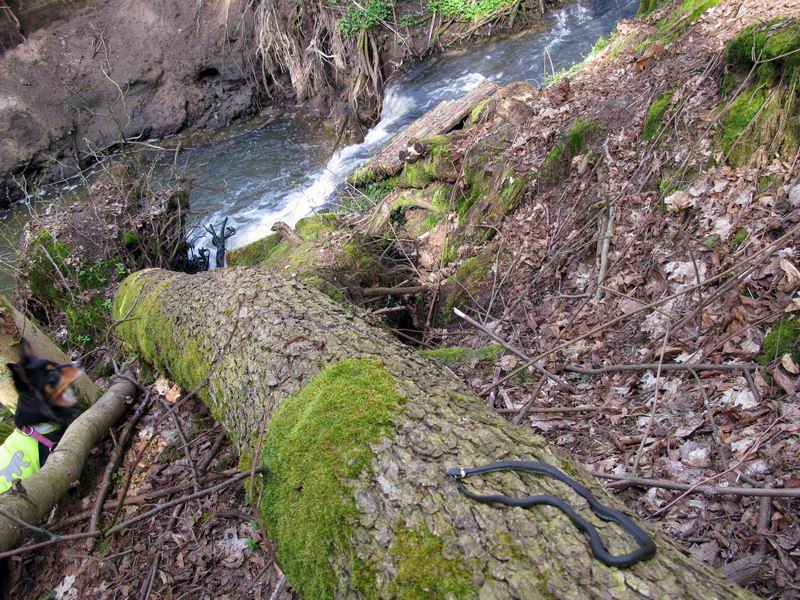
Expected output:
(358, 432)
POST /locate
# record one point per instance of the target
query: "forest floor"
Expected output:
(701, 262)
(209, 548)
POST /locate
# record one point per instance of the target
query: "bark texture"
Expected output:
(335, 395)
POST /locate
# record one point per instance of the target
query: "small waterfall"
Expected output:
(572, 32)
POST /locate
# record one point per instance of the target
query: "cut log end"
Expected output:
(287, 233)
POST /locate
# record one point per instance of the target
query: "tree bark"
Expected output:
(356, 431)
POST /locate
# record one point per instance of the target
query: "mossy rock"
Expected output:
(782, 338)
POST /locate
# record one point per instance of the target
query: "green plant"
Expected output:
(365, 16)
(251, 544)
(469, 10)
(739, 238)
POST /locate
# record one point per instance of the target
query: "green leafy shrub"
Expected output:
(469, 10)
(365, 16)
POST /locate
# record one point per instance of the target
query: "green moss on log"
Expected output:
(423, 570)
(317, 440)
(783, 338)
(437, 165)
(153, 335)
(316, 226)
(254, 253)
(654, 120)
(276, 254)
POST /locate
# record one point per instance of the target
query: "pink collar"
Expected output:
(28, 430)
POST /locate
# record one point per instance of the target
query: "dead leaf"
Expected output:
(789, 364)
(785, 381)
(792, 274)
(678, 201)
(173, 394)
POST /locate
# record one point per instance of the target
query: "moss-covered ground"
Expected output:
(557, 163)
(782, 338)
(654, 120)
(763, 70)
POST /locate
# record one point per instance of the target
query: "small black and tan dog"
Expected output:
(45, 404)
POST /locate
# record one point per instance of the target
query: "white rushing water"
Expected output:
(277, 174)
(285, 170)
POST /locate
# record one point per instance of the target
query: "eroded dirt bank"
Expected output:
(117, 70)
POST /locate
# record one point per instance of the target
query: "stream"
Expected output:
(285, 170)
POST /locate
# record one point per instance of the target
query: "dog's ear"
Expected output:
(19, 375)
(26, 353)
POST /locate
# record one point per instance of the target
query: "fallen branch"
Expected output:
(561, 382)
(145, 498)
(44, 489)
(555, 410)
(186, 448)
(112, 465)
(287, 233)
(707, 490)
(394, 291)
(57, 539)
(746, 367)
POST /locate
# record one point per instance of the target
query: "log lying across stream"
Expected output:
(356, 431)
(441, 119)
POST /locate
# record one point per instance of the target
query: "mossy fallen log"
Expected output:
(358, 432)
(441, 119)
